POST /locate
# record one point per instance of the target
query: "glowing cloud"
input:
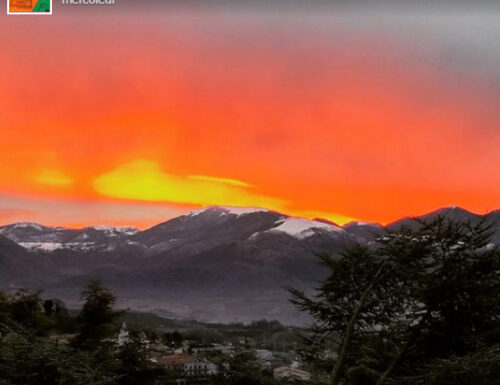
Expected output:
(144, 180)
(53, 178)
(233, 182)
(346, 120)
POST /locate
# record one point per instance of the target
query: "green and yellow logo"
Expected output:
(30, 7)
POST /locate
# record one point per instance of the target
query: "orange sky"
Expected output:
(134, 120)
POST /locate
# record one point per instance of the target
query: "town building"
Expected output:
(123, 335)
(288, 373)
(185, 365)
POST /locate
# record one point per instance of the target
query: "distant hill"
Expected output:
(217, 264)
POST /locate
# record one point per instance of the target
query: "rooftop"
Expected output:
(176, 359)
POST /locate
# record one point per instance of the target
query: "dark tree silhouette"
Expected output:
(417, 295)
(97, 320)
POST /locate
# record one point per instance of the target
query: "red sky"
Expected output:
(129, 119)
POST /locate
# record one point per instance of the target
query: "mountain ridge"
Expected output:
(210, 264)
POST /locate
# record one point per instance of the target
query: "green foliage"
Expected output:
(479, 368)
(173, 340)
(30, 357)
(28, 360)
(26, 310)
(41, 343)
(360, 295)
(135, 366)
(265, 325)
(97, 320)
(244, 371)
(459, 286)
(414, 299)
(4, 309)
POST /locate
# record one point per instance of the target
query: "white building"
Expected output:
(187, 365)
(123, 336)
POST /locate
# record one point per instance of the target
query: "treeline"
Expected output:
(416, 307)
(40, 343)
(173, 332)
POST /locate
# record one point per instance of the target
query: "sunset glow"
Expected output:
(145, 181)
(160, 115)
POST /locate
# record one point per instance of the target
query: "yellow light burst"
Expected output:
(145, 180)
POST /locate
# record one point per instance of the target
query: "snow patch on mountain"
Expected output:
(42, 246)
(24, 225)
(224, 210)
(113, 229)
(52, 246)
(303, 228)
(371, 224)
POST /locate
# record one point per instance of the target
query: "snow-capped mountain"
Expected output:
(219, 222)
(205, 228)
(213, 263)
(34, 236)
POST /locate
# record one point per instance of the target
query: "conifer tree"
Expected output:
(97, 320)
(419, 296)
